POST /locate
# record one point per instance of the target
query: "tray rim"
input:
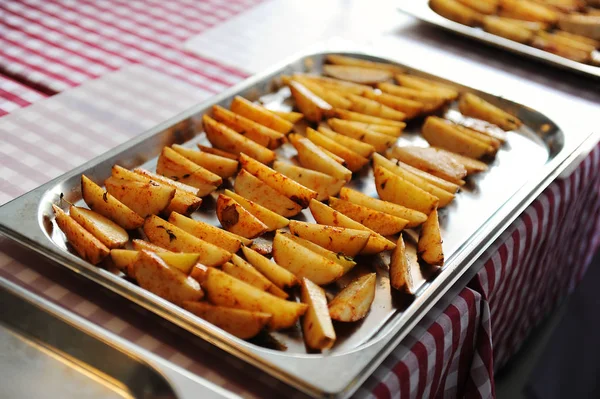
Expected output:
(274, 363)
(420, 9)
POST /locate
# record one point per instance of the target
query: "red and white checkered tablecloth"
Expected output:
(14, 95)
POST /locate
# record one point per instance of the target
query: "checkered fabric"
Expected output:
(14, 95)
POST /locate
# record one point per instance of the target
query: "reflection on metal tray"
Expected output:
(533, 157)
(420, 9)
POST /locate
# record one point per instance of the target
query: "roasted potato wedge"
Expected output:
(443, 134)
(471, 105)
(260, 114)
(235, 219)
(457, 12)
(124, 258)
(312, 106)
(163, 180)
(373, 108)
(348, 242)
(436, 181)
(353, 160)
(331, 97)
(324, 185)
(316, 323)
(380, 141)
(357, 74)
(482, 6)
(220, 166)
(415, 82)
(291, 116)
(431, 161)
(363, 149)
(177, 167)
(477, 135)
(278, 275)
(85, 243)
(351, 61)
(144, 198)
(553, 44)
(108, 232)
(393, 131)
(253, 189)
(354, 302)
(394, 188)
(244, 271)
(471, 165)
(346, 262)
(272, 220)
(358, 117)
(312, 157)
(333, 84)
(506, 28)
(430, 100)
(216, 151)
(528, 11)
(429, 246)
(138, 245)
(331, 155)
(410, 108)
(380, 222)
(400, 277)
(583, 25)
(256, 132)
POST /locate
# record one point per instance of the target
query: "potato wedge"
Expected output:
(429, 246)
(415, 82)
(234, 218)
(358, 117)
(220, 166)
(528, 11)
(324, 185)
(351, 61)
(304, 263)
(554, 45)
(108, 232)
(353, 160)
(578, 38)
(457, 12)
(280, 183)
(333, 84)
(278, 275)
(144, 198)
(177, 167)
(348, 242)
(331, 97)
(316, 324)
(444, 196)
(357, 74)
(373, 108)
(253, 189)
(436, 181)
(229, 140)
(260, 114)
(505, 28)
(393, 131)
(102, 202)
(154, 275)
(471, 165)
(410, 108)
(163, 180)
(331, 155)
(312, 106)
(380, 141)
(431, 161)
(413, 217)
(122, 258)
(310, 156)
(354, 302)
(393, 188)
(85, 243)
(216, 151)
(471, 105)
(138, 245)
(488, 7)
(363, 149)
(380, 222)
(324, 214)
(242, 323)
(346, 262)
(256, 132)
(272, 220)
(244, 271)
(291, 116)
(225, 290)
(204, 231)
(400, 277)
(430, 100)
(477, 135)
(173, 238)
(440, 133)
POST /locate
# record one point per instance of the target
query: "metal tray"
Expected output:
(533, 157)
(420, 9)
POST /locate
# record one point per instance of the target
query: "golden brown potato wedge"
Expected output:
(393, 188)
(363, 149)
(279, 276)
(177, 167)
(562, 40)
(443, 134)
(324, 185)
(244, 271)
(351, 61)
(291, 116)
(229, 140)
(225, 290)
(430, 100)
(415, 82)
(108, 232)
(429, 246)
(331, 155)
(380, 222)
(528, 11)
(357, 74)
(216, 151)
(242, 323)
(346, 262)
(329, 96)
(348, 242)
(373, 108)
(578, 38)
(413, 217)
(354, 302)
(204, 231)
(85, 244)
(260, 114)
(380, 141)
(138, 245)
(123, 258)
(256, 132)
(486, 138)
(173, 238)
(506, 28)
(471, 105)
(317, 327)
(456, 12)
(277, 181)
(471, 165)
(102, 202)
(303, 262)
(253, 189)
(312, 157)
(163, 180)
(234, 218)
(431, 161)
(483, 6)
(410, 108)
(400, 277)
(153, 274)
(338, 85)
(144, 198)
(353, 160)
(358, 117)
(312, 106)
(436, 181)
(444, 196)
(552, 44)
(271, 219)
(220, 166)
(393, 131)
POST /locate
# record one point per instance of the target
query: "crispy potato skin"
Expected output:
(354, 302)
(393, 188)
(207, 232)
(400, 277)
(250, 187)
(429, 246)
(235, 219)
(337, 239)
(380, 222)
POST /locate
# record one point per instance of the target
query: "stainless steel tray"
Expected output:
(420, 9)
(534, 156)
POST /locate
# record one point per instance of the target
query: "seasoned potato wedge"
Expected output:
(348, 242)
(415, 82)
(346, 262)
(102, 202)
(324, 185)
(393, 131)
(457, 12)
(441, 133)
(312, 157)
(471, 105)
(312, 106)
(354, 302)
(85, 244)
(477, 135)
(471, 165)
(177, 167)
(357, 146)
(272, 220)
(123, 258)
(555, 45)
(573, 38)
(380, 141)
(291, 116)
(317, 327)
(505, 28)
(256, 132)
(410, 108)
(229, 140)
(153, 274)
(358, 117)
(528, 11)
(303, 262)
(221, 166)
(234, 218)
(353, 160)
(400, 277)
(108, 232)
(163, 180)
(242, 323)
(357, 74)
(144, 198)
(351, 61)
(431, 100)
(431, 161)
(244, 271)
(138, 245)
(483, 6)
(429, 246)
(394, 188)
(260, 114)
(171, 237)
(331, 155)
(279, 276)
(380, 222)
(216, 151)
(436, 181)
(225, 290)
(331, 97)
(413, 217)
(333, 84)
(370, 107)
(253, 189)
